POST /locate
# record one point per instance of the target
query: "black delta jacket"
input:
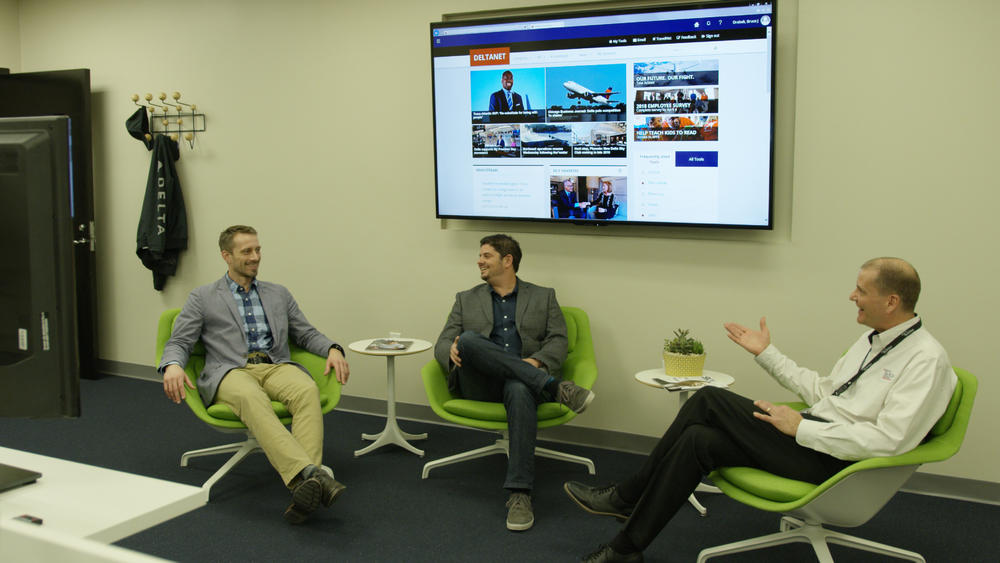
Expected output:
(162, 222)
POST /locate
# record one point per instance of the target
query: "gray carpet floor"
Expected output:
(389, 513)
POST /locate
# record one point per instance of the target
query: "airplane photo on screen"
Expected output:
(581, 86)
(582, 92)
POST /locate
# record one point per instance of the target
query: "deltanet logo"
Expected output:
(493, 56)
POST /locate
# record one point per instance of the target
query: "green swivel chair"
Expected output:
(579, 367)
(849, 498)
(221, 417)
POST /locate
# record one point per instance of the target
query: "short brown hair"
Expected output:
(896, 276)
(504, 245)
(226, 237)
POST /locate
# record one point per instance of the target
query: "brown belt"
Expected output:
(258, 358)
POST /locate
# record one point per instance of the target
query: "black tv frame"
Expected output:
(40, 374)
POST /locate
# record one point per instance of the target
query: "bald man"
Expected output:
(881, 399)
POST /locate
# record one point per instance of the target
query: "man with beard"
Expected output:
(245, 325)
(505, 340)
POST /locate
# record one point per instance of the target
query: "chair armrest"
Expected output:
(316, 365)
(581, 370)
(436, 384)
(192, 397)
(163, 330)
(795, 405)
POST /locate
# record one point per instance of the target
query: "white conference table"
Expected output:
(93, 502)
(392, 433)
(719, 379)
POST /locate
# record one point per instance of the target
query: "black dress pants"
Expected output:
(715, 428)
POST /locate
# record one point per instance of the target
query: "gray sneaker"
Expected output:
(575, 397)
(519, 515)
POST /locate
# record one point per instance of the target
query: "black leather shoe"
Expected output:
(306, 496)
(599, 500)
(605, 554)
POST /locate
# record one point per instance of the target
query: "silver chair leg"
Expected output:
(770, 540)
(224, 449)
(874, 547)
(503, 446)
(794, 530)
(563, 456)
(241, 449)
(500, 446)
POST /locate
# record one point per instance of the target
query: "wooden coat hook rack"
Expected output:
(175, 118)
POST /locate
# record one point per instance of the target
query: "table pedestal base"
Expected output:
(391, 434)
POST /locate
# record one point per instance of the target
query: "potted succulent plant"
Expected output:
(683, 356)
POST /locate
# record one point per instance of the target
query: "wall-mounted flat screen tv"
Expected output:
(644, 116)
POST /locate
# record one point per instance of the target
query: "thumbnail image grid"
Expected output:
(676, 101)
(549, 112)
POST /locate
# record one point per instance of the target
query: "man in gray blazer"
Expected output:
(245, 325)
(505, 340)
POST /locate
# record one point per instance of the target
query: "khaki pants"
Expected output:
(249, 392)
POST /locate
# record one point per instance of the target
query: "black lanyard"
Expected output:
(877, 357)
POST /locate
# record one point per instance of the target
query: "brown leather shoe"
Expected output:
(306, 497)
(331, 487)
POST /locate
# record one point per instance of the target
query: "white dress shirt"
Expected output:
(887, 411)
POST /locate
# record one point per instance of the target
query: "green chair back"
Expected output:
(222, 416)
(580, 367)
(770, 492)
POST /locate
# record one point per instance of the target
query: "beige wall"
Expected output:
(879, 110)
(10, 36)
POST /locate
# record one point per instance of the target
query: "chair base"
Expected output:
(242, 449)
(795, 530)
(693, 500)
(503, 446)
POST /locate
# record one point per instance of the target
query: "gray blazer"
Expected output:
(539, 321)
(211, 315)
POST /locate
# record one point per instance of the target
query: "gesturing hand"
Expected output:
(751, 340)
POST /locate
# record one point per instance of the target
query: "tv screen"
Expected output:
(644, 116)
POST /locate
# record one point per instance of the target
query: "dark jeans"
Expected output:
(715, 428)
(490, 374)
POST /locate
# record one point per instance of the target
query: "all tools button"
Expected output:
(697, 158)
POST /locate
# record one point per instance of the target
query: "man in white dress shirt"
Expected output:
(881, 399)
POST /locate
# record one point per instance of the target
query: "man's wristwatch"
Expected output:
(339, 348)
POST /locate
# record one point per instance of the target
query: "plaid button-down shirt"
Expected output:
(254, 320)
